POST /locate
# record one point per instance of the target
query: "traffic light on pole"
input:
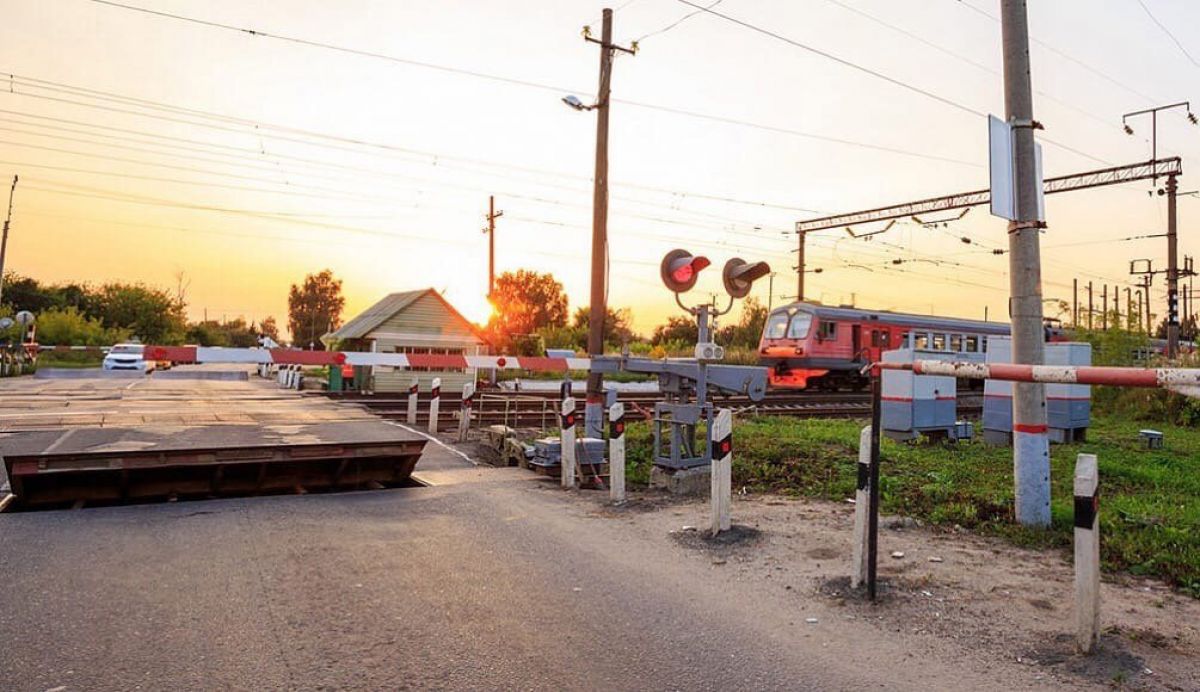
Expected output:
(739, 275)
(680, 270)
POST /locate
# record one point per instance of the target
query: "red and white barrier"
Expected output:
(284, 356)
(1183, 380)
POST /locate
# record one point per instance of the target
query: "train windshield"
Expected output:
(777, 325)
(801, 322)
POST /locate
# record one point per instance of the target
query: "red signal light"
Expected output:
(680, 269)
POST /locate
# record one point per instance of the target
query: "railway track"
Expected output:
(540, 409)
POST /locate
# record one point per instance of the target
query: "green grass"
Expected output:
(1150, 499)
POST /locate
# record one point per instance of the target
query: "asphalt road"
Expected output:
(490, 581)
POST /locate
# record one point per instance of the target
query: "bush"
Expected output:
(69, 327)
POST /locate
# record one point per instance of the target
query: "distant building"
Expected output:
(412, 322)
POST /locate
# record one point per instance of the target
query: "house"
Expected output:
(412, 322)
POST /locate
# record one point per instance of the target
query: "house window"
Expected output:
(423, 350)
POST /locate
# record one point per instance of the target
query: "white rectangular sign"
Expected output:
(1002, 175)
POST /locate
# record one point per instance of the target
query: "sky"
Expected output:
(150, 148)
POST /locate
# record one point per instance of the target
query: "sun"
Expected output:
(472, 306)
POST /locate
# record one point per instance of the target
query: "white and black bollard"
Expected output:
(862, 509)
(616, 452)
(1087, 553)
(412, 400)
(464, 414)
(567, 458)
(721, 471)
(435, 400)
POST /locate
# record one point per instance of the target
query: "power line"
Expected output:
(1170, 35)
(677, 22)
(513, 81)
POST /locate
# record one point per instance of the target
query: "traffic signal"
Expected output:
(739, 275)
(680, 269)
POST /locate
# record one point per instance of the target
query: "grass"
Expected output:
(1150, 499)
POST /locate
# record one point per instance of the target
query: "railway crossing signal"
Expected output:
(739, 275)
(680, 269)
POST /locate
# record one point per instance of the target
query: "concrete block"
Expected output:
(694, 481)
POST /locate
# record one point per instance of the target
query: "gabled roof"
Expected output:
(371, 318)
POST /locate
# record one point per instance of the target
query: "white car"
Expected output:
(127, 357)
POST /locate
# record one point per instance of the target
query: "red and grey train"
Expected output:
(812, 346)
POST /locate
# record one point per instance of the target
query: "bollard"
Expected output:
(567, 460)
(412, 401)
(434, 403)
(1087, 553)
(862, 501)
(464, 413)
(616, 452)
(721, 471)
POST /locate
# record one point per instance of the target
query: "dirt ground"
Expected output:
(952, 593)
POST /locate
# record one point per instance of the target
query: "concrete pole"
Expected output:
(1031, 446)
(1090, 308)
(1075, 302)
(721, 471)
(412, 400)
(1104, 310)
(434, 404)
(4, 236)
(862, 500)
(567, 458)
(1087, 553)
(464, 415)
(616, 452)
(594, 408)
(1172, 270)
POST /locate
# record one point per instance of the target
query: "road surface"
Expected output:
(490, 579)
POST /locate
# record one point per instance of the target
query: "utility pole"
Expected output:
(1128, 308)
(1090, 309)
(1172, 270)
(594, 410)
(1031, 446)
(1138, 324)
(1146, 289)
(4, 238)
(771, 291)
(1075, 303)
(800, 266)
(492, 215)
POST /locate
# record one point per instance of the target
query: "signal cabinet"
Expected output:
(913, 405)
(1068, 406)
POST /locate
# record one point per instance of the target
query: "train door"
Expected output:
(856, 342)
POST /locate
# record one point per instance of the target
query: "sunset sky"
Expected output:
(149, 146)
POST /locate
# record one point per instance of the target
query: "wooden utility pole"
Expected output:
(492, 215)
(594, 410)
(1031, 446)
(4, 237)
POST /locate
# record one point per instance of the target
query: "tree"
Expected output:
(151, 314)
(747, 332)
(315, 309)
(616, 325)
(268, 328)
(525, 302)
(677, 331)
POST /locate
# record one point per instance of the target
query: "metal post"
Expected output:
(1172, 270)
(873, 484)
(594, 409)
(800, 267)
(1075, 302)
(4, 236)
(1090, 309)
(1031, 446)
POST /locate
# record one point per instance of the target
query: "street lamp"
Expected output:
(574, 102)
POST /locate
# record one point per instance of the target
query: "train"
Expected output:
(813, 346)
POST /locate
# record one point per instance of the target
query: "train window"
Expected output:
(777, 326)
(956, 344)
(921, 341)
(881, 338)
(972, 344)
(801, 323)
(939, 342)
(829, 330)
